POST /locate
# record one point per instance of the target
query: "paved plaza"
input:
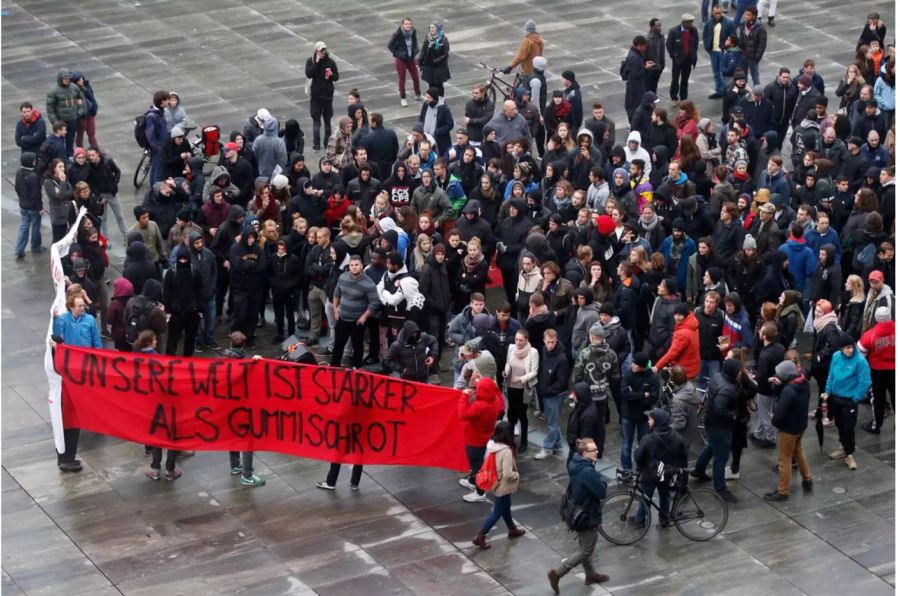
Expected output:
(109, 530)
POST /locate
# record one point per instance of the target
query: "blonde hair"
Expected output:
(858, 289)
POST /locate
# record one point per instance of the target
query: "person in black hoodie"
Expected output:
(511, 234)
(720, 410)
(639, 394)
(776, 278)
(586, 420)
(661, 446)
(293, 137)
(296, 170)
(772, 353)
(434, 284)
(471, 225)
(246, 270)
(139, 268)
(182, 287)
(285, 270)
(309, 202)
(791, 420)
(400, 186)
(31, 205)
(825, 283)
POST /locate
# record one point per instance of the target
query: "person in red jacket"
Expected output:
(877, 345)
(480, 411)
(337, 206)
(685, 347)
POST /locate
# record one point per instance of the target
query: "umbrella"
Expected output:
(820, 426)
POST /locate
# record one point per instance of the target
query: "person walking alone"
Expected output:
(404, 47)
(323, 72)
(503, 446)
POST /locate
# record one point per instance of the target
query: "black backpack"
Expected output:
(140, 131)
(623, 71)
(42, 159)
(573, 515)
(137, 319)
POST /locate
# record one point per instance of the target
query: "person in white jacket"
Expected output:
(633, 149)
(521, 374)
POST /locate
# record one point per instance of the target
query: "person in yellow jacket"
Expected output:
(532, 46)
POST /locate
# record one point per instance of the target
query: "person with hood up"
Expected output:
(145, 311)
(685, 410)
(182, 288)
(400, 186)
(66, 103)
(553, 380)
(174, 112)
(115, 313)
(434, 285)
(432, 198)
(849, 380)
(436, 119)
(502, 445)
(587, 420)
(685, 344)
(246, 270)
(825, 283)
(598, 365)
(801, 259)
(791, 420)
(642, 119)
(479, 409)
(140, 267)
(269, 149)
(511, 234)
(254, 125)
(719, 411)
(175, 154)
(663, 446)
(285, 271)
(584, 157)
(413, 354)
(639, 393)
(220, 178)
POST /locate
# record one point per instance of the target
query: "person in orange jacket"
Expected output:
(479, 409)
(685, 347)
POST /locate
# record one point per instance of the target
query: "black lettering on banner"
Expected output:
(171, 365)
(199, 385)
(314, 421)
(376, 443)
(354, 441)
(279, 373)
(409, 392)
(96, 374)
(155, 371)
(136, 377)
(125, 387)
(67, 369)
(396, 434)
(240, 428)
(245, 381)
(323, 391)
(200, 415)
(159, 420)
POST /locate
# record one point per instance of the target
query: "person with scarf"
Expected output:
(790, 317)
(474, 272)
(559, 110)
(404, 47)
(436, 119)
(488, 198)
(826, 340)
(468, 170)
(651, 228)
(434, 58)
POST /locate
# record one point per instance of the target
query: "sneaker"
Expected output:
(20, 256)
(434, 379)
(173, 475)
(851, 463)
(807, 485)
(623, 475)
(354, 487)
(236, 470)
(418, 98)
(254, 480)
(771, 21)
(324, 486)
(403, 102)
(474, 497)
(370, 360)
(198, 348)
(317, 147)
(729, 475)
(543, 454)
(464, 482)
(700, 476)
(728, 496)
(775, 497)
(213, 345)
(870, 427)
(838, 454)
(152, 474)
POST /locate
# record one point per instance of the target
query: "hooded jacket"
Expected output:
(149, 301)
(639, 395)
(507, 473)
(663, 445)
(553, 378)
(722, 398)
(801, 261)
(181, 288)
(409, 351)
(433, 199)
(599, 367)
(434, 284)
(826, 282)
(400, 188)
(443, 122)
(115, 312)
(28, 184)
(686, 404)
(321, 88)
(65, 102)
(685, 347)
(222, 179)
(587, 486)
(640, 121)
(587, 420)
(269, 149)
(849, 377)
(585, 317)
(512, 232)
(480, 414)
(791, 407)
(248, 264)
(140, 268)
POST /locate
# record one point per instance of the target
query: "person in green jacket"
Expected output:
(65, 103)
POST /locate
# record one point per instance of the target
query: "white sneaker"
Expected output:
(403, 102)
(517, 431)
(464, 482)
(543, 454)
(729, 475)
(474, 497)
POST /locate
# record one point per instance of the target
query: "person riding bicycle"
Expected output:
(661, 450)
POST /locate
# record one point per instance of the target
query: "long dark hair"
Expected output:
(503, 433)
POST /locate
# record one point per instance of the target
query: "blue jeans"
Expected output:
(244, 459)
(715, 61)
(552, 405)
(629, 427)
(717, 448)
(708, 368)
(502, 508)
(648, 488)
(208, 310)
(155, 167)
(31, 221)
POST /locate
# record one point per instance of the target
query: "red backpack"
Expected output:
(486, 478)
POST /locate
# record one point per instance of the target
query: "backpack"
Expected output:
(575, 516)
(140, 131)
(42, 159)
(136, 318)
(623, 71)
(864, 260)
(486, 478)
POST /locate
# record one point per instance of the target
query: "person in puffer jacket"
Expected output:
(479, 409)
(413, 354)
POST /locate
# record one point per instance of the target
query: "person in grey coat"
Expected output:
(685, 410)
(269, 149)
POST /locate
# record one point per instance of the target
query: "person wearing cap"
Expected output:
(806, 99)
(849, 380)
(758, 111)
(240, 173)
(531, 47)
(753, 38)
(731, 109)
(322, 70)
(681, 45)
(434, 57)
(180, 232)
(877, 345)
(404, 47)
(640, 392)
(254, 125)
(436, 119)
(879, 295)
(719, 411)
(791, 419)
(663, 446)
(572, 90)
(635, 72)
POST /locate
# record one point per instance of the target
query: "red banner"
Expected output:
(320, 412)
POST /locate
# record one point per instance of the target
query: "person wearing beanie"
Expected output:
(677, 249)
(681, 44)
(849, 380)
(531, 47)
(772, 352)
(436, 119)
(639, 393)
(685, 345)
(434, 58)
(180, 233)
(791, 420)
(877, 345)
(662, 446)
(404, 47)
(662, 320)
(807, 94)
(322, 72)
(719, 411)
(573, 95)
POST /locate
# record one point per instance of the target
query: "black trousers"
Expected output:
(157, 458)
(680, 75)
(221, 288)
(70, 436)
(186, 323)
(246, 311)
(348, 330)
(320, 110)
(882, 384)
(283, 303)
(652, 79)
(510, 281)
(335, 469)
(846, 412)
(518, 412)
(437, 326)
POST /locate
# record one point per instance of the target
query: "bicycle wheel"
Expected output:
(142, 170)
(615, 512)
(492, 93)
(700, 514)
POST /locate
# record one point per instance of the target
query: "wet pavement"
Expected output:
(110, 530)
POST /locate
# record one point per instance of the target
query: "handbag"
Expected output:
(576, 517)
(529, 394)
(486, 478)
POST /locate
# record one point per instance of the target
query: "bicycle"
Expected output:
(698, 515)
(497, 84)
(667, 395)
(207, 145)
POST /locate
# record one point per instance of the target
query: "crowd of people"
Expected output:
(696, 255)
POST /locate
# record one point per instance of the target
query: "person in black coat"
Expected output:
(511, 234)
(791, 420)
(662, 446)
(728, 236)
(404, 47)
(720, 410)
(246, 273)
(434, 284)
(776, 278)
(434, 57)
(443, 121)
(138, 266)
(323, 71)
(634, 73)
(181, 290)
(31, 205)
(638, 395)
(285, 271)
(587, 420)
(31, 129)
(681, 45)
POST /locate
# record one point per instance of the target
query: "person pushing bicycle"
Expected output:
(659, 455)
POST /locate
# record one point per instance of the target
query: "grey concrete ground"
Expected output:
(109, 530)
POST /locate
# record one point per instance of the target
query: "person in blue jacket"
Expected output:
(31, 129)
(823, 234)
(802, 261)
(849, 379)
(74, 327)
(678, 247)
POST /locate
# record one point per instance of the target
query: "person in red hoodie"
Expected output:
(685, 347)
(115, 313)
(479, 410)
(877, 345)
(337, 207)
